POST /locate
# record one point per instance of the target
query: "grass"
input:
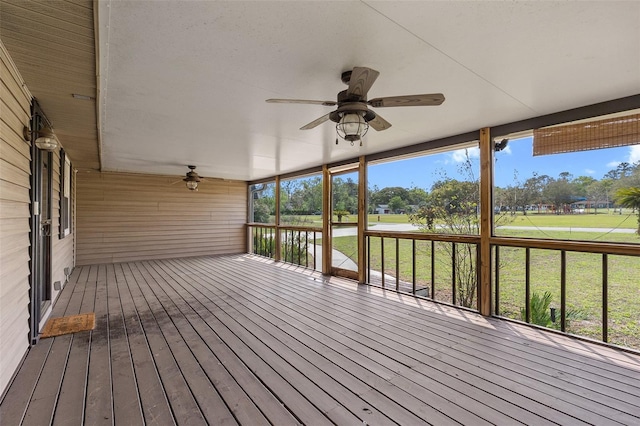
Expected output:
(600, 220)
(583, 289)
(627, 220)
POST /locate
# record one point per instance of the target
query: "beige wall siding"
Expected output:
(125, 217)
(15, 172)
(15, 212)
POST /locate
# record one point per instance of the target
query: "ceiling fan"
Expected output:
(353, 116)
(191, 179)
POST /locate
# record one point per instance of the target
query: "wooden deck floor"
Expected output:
(237, 339)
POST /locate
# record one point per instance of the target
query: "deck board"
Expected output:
(516, 376)
(151, 394)
(242, 340)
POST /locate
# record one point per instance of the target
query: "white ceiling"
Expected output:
(184, 82)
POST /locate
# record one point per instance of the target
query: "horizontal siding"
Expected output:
(128, 217)
(59, 34)
(14, 220)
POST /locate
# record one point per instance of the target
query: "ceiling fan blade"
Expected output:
(379, 123)
(429, 99)
(301, 101)
(361, 80)
(315, 122)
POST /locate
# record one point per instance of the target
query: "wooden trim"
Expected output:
(486, 221)
(362, 219)
(579, 246)
(287, 227)
(278, 253)
(326, 220)
(452, 238)
(595, 110)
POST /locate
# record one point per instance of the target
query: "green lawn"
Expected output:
(600, 220)
(603, 219)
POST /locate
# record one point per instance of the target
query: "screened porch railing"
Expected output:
(439, 267)
(297, 243)
(565, 275)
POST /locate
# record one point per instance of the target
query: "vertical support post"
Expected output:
(605, 297)
(382, 259)
(271, 237)
(527, 284)
(368, 259)
(326, 221)
(259, 241)
(397, 264)
(306, 249)
(497, 282)
(315, 265)
(277, 236)
(413, 266)
(433, 270)
(292, 246)
(563, 291)
(486, 220)
(362, 218)
(453, 273)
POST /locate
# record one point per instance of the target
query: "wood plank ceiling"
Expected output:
(53, 46)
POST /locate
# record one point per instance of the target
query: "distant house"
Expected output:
(382, 209)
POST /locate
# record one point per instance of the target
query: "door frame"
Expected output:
(331, 173)
(41, 244)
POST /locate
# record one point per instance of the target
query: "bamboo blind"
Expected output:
(607, 133)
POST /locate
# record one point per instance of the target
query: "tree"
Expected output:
(340, 213)
(397, 204)
(345, 194)
(581, 185)
(452, 208)
(630, 197)
(384, 195)
(416, 196)
(600, 190)
(558, 192)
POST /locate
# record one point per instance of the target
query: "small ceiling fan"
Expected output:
(191, 179)
(353, 116)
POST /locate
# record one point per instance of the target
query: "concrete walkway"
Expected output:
(338, 259)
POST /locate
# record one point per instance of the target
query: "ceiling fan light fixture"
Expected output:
(192, 185)
(192, 179)
(47, 140)
(352, 126)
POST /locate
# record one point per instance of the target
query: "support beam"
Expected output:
(326, 221)
(486, 221)
(362, 219)
(277, 235)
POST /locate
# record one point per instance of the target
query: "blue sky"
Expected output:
(517, 157)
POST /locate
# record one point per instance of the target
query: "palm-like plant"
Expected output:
(630, 197)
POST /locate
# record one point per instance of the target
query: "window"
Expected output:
(66, 206)
(262, 202)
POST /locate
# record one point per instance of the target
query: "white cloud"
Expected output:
(613, 164)
(589, 171)
(634, 154)
(460, 155)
